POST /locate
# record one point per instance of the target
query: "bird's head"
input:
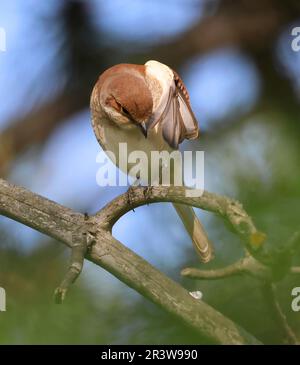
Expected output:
(125, 98)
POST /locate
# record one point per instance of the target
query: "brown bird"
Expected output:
(130, 102)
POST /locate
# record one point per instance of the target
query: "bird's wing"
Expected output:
(174, 114)
(188, 117)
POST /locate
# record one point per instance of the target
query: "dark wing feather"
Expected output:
(172, 124)
(188, 117)
(178, 120)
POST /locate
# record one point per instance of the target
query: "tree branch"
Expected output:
(270, 292)
(60, 223)
(245, 266)
(262, 270)
(229, 209)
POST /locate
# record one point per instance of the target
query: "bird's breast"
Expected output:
(131, 141)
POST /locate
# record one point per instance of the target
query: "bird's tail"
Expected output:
(196, 231)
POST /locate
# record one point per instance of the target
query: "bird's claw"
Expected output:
(147, 192)
(130, 196)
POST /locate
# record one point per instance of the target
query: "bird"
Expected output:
(148, 108)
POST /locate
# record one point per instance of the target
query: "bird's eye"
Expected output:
(125, 111)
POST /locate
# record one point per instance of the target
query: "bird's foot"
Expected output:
(147, 192)
(131, 195)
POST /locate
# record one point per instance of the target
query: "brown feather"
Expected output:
(124, 86)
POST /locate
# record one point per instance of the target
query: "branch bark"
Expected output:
(64, 224)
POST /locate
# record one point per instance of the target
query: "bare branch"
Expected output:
(59, 222)
(247, 265)
(293, 244)
(270, 292)
(227, 208)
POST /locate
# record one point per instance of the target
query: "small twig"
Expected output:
(247, 265)
(75, 267)
(293, 244)
(82, 239)
(269, 290)
(295, 270)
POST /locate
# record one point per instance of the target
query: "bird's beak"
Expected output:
(144, 129)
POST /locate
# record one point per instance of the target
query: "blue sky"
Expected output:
(146, 21)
